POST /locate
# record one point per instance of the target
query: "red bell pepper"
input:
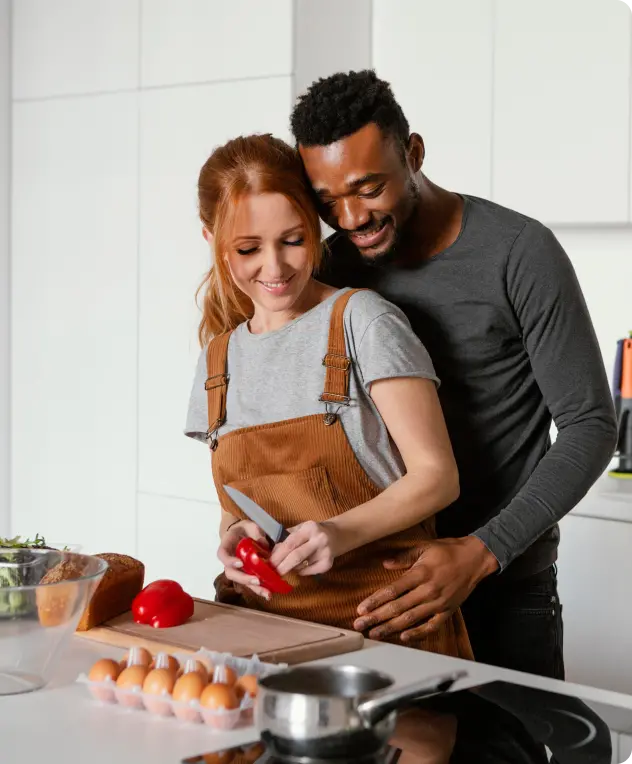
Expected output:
(162, 604)
(254, 558)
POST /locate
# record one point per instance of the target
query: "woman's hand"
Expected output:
(310, 549)
(226, 554)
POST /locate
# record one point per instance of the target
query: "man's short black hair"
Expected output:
(338, 106)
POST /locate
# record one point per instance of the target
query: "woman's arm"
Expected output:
(226, 521)
(412, 414)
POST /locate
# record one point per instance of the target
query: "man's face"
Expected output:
(365, 188)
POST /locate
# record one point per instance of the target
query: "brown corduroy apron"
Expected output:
(304, 469)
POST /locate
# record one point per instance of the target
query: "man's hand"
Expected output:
(442, 576)
(232, 564)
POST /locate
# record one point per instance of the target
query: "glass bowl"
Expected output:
(39, 612)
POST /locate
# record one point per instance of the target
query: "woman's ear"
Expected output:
(207, 235)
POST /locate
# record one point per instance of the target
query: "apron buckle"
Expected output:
(211, 434)
(211, 384)
(330, 418)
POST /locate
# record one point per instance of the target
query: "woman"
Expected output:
(319, 404)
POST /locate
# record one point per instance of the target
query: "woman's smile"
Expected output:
(277, 287)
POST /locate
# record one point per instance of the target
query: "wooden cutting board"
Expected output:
(230, 629)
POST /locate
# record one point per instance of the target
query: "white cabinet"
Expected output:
(74, 47)
(214, 40)
(438, 59)
(595, 581)
(74, 319)
(561, 127)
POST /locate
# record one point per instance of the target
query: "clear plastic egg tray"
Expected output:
(107, 693)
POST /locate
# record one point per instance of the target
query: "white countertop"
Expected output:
(68, 727)
(608, 499)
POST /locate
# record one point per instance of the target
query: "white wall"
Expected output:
(5, 185)
(116, 107)
(518, 105)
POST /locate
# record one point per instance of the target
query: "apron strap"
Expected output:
(217, 382)
(336, 362)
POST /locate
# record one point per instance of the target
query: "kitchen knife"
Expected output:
(273, 529)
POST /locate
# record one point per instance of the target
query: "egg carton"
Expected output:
(107, 692)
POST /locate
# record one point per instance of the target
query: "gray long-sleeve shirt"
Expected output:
(504, 320)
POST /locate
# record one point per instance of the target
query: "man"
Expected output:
(495, 300)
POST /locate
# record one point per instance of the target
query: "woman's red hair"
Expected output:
(254, 164)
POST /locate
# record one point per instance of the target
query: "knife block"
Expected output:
(622, 389)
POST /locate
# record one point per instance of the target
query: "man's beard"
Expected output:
(390, 255)
(383, 259)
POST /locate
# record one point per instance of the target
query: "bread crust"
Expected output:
(114, 595)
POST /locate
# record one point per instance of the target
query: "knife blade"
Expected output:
(273, 529)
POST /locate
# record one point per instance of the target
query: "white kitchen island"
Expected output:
(61, 724)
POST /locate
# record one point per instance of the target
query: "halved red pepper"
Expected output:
(254, 558)
(162, 604)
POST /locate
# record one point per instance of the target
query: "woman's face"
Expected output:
(267, 256)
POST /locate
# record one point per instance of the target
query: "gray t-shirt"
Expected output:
(504, 319)
(279, 375)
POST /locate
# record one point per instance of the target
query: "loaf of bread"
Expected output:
(56, 604)
(114, 595)
(122, 581)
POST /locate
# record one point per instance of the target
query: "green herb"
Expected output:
(39, 542)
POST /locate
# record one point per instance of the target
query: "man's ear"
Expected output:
(207, 235)
(415, 152)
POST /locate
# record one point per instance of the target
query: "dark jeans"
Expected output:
(515, 625)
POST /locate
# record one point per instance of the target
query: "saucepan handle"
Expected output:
(382, 703)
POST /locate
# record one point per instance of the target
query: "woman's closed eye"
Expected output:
(297, 241)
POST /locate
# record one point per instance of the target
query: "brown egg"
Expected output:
(219, 695)
(129, 678)
(191, 665)
(158, 682)
(138, 656)
(164, 660)
(189, 687)
(224, 675)
(219, 757)
(247, 685)
(105, 670)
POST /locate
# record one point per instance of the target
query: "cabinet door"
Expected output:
(561, 109)
(595, 581)
(438, 59)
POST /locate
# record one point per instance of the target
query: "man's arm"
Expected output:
(560, 340)
(564, 354)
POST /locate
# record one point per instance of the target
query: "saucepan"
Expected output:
(328, 710)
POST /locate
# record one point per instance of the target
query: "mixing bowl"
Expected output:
(37, 620)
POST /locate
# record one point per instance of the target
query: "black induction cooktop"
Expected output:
(497, 723)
